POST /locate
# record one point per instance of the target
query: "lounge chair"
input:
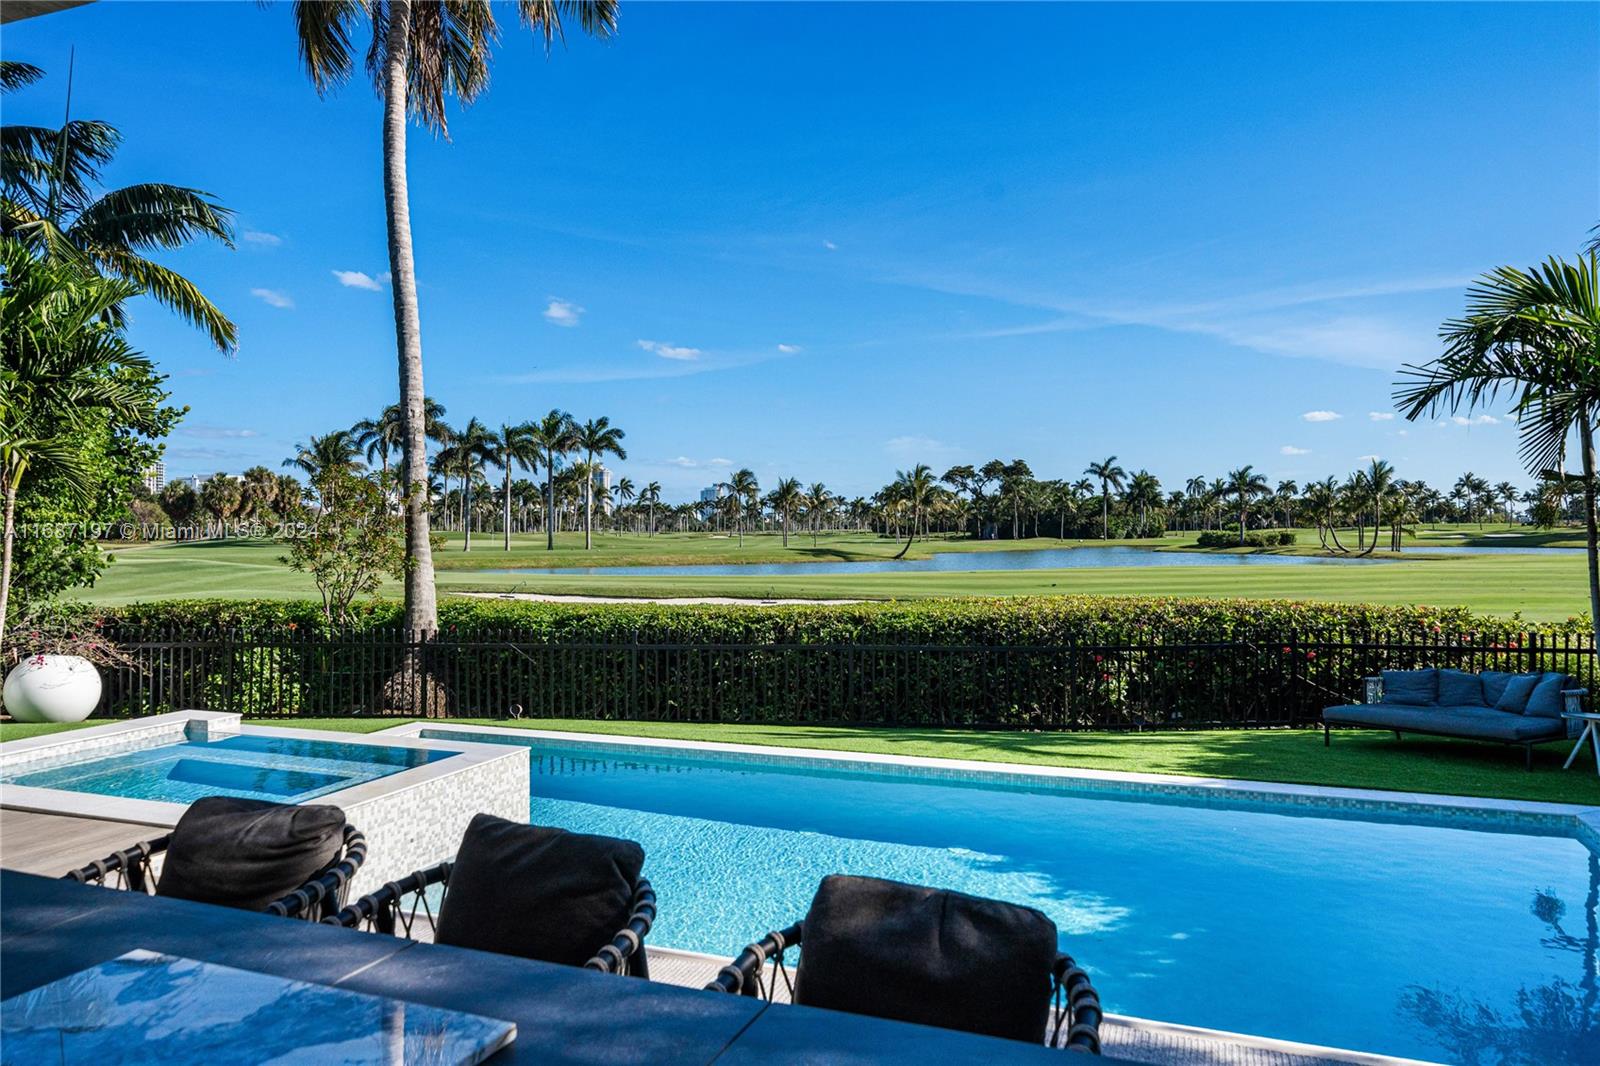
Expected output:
(293, 861)
(524, 890)
(928, 956)
(1511, 709)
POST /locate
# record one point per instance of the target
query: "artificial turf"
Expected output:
(1357, 758)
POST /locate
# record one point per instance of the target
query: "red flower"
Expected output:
(1286, 649)
(1311, 655)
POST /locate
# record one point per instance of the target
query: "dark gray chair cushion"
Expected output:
(1457, 688)
(248, 853)
(1514, 700)
(1545, 699)
(538, 893)
(929, 956)
(1475, 723)
(1494, 685)
(1417, 688)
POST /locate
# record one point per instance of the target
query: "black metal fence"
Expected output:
(1154, 683)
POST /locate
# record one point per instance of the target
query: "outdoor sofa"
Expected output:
(292, 861)
(1507, 708)
(929, 956)
(525, 890)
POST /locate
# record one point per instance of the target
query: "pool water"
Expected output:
(280, 769)
(1430, 941)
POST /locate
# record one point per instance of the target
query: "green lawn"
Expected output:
(1357, 759)
(1541, 587)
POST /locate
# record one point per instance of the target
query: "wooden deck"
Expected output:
(52, 844)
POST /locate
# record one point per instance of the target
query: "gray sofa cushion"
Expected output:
(1514, 700)
(1457, 688)
(1476, 723)
(248, 853)
(1545, 699)
(1417, 688)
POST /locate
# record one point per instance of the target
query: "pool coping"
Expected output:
(161, 813)
(1581, 820)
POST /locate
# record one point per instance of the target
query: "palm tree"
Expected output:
(331, 451)
(650, 497)
(63, 363)
(786, 499)
(627, 494)
(596, 437)
(1508, 497)
(1379, 482)
(555, 436)
(818, 502)
(914, 489)
(513, 446)
(1110, 476)
(1144, 492)
(469, 450)
(742, 488)
(1284, 497)
(422, 52)
(1534, 335)
(49, 202)
(1245, 485)
(380, 437)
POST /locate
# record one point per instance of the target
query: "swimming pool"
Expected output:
(280, 769)
(1359, 929)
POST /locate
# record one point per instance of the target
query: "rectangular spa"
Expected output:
(411, 797)
(1416, 927)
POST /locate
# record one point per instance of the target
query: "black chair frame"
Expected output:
(390, 912)
(130, 870)
(1077, 1005)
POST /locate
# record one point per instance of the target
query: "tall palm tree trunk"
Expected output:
(466, 514)
(549, 502)
(588, 503)
(507, 494)
(422, 607)
(1105, 514)
(1592, 540)
(5, 552)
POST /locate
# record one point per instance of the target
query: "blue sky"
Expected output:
(830, 241)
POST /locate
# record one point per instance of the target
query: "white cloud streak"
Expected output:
(1290, 449)
(357, 279)
(273, 298)
(1321, 416)
(671, 351)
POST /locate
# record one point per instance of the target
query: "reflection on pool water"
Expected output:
(280, 769)
(1380, 935)
(1041, 559)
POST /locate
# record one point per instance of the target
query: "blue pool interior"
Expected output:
(254, 766)
(1353, 930)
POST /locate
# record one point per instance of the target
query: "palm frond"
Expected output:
(322, 28)
(172, 289)
(30, 161)
(597, 18)
(152, 215)
(14, 74)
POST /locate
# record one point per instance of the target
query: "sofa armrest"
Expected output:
(1372, 690)
(1572, 699)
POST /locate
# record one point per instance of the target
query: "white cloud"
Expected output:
(261, 239)
(790, 349)
(1290, 449)
(273, 297)
(830, 246)
(670, 351)
(562, 312)
(356, 279)
(721, 462)
(1381, 416)
(217, 433)
(683, 461)
(1479, 420)
(1368, 458)
(1322, 416)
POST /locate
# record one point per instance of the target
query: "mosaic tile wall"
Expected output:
(422, 824)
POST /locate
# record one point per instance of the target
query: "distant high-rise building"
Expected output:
(712, 494)
(155, 477)
(602, 488)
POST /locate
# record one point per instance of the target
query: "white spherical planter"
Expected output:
(52, 688)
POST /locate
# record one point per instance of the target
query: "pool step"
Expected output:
(1128, 1039)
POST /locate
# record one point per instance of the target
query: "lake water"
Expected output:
(1041, 559)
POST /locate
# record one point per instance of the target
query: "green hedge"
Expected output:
(1019, 620)
(1261, 538)
(1049, 663)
